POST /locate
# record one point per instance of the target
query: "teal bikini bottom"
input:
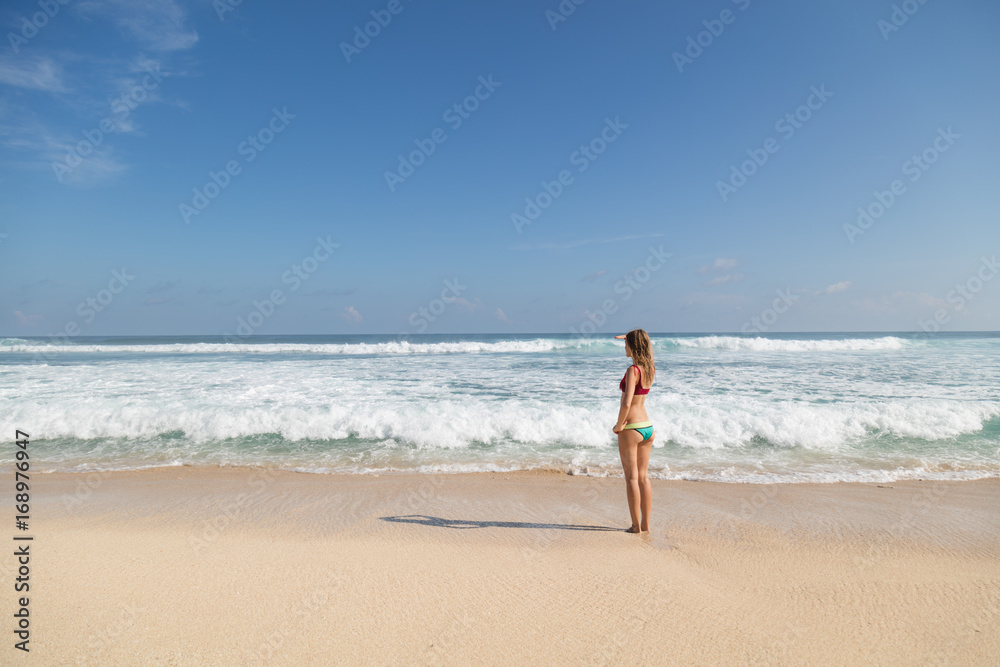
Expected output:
(645, 429)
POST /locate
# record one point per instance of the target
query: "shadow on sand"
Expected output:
(426, 520)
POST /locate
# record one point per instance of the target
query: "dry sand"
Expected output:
(244, 566)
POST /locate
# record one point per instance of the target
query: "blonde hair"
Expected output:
(642, 354)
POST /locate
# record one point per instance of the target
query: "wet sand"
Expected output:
(179, 566)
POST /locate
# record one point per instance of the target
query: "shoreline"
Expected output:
(195, 565)
(613, 472)
(540, 470)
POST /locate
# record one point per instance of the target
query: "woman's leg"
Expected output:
(628, 440)
(645, 488)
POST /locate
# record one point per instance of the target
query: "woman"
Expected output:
(635, 431)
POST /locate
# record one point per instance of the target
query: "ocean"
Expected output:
(779, 408)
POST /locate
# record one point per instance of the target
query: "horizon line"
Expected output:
(534, 333)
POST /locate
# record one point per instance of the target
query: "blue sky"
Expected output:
(115, 115)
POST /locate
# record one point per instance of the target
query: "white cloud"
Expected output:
(579, 242)
(351, 314)
(99, 168)
(27, 320)
(35, 144)
(721, 264)
(728, 278)
(835, 288)
(22, 129)
(471, 306)
(29, 144)
(158, 24)
(34, 73)
(593, 276)
(501, 315)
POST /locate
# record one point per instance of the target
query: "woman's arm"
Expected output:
(626, 401)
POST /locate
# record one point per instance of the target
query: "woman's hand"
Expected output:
(618, 428)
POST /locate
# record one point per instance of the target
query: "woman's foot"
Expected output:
(633, 529)
(644, 529)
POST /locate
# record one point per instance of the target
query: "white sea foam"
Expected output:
(449, 423)
(759, 344)
(383, 348)
(403, 347)
(506, 404)
(10, 342)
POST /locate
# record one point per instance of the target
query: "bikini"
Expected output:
(645, 428)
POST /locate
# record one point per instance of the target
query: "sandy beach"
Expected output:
(189, 565)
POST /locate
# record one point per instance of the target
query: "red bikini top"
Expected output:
(639, 391)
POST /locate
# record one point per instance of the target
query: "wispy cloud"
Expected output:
(501, 315)
(835, 288)
(31, 144)
(728, 278)
(580, 242)
(590, 277)
(157, 24)
(721, 264)
(98, 88)
(159, 301)
(163, 286)
(28, 320)
(36, 73)
(330, 291)
(471, 306)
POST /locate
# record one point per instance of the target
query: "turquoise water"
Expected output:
(777, 408)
